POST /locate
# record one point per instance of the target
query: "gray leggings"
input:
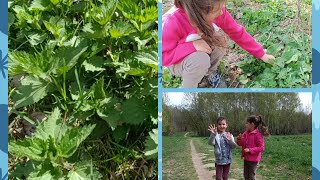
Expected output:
(196, 65)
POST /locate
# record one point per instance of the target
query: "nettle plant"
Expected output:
(49, 148)
(97, 62)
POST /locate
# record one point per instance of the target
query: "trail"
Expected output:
(202, 172)
(202, 169)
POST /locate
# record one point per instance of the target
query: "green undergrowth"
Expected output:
(96, 63)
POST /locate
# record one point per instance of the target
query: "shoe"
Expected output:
(214, 79)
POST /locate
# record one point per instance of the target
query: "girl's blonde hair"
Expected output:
(195, 10)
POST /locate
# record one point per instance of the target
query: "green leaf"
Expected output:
(71, 56)
(294, 58)
(120, 133)
(279, 62)
(23, 170)
(78, 174)
(45, 176)
(50, 127)
(104, 12)
(275, 49)
(11, 20)
(74, 41)
(88, 28)
(84, 171)
(121, 28)
(96, 31)
(151, 144)
(133, 111)
(111, 116)
(150, 87)
(34, 149)
(40, 5)
(149, 58)
(55, 2)
(94, 64)
(135, 72)
(31, 91)
(42, 170)
(36, 38)
(40, 64)
(109, 110)
(72, 139)
(56, 26)
(243, 79)
(97, 90)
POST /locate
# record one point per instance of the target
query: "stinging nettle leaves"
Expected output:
(99, 66)
(103, 13)
(31, 91)
(46, 142)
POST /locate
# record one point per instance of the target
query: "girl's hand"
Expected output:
(212, 129)
(239, 137)
(246, 150)
(266, 57)
(201, 45)
(229, 136)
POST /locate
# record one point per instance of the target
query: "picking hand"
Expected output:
(229, 136)
(201, 45)
(212, 129)
(266, 57)
(246, 150)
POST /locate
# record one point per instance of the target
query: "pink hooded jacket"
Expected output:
(176, 28)
(255, 142)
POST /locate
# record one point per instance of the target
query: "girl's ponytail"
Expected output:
(264, 128)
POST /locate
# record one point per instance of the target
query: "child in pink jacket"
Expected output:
(191, 33)
(252, 145)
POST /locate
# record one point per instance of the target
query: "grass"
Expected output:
(288, 156)
(176, 158)
(285, 157)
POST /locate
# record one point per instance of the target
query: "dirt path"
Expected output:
(202, 169)
(203, 173)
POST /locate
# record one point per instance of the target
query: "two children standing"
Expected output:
(251, 141)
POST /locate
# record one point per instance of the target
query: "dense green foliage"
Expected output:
(283, 29)
(97, 62)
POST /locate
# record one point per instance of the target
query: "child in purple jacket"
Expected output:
(252, 143)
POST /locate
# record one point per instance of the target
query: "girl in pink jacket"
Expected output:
(252, 145)
(191, 32)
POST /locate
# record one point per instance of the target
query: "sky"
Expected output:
(305, 98)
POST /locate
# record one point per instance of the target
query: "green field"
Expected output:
(176, 158)
(285, 157)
